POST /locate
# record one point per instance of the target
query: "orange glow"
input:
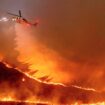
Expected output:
(23, 79)
(11, 94)
(1, 57)
(39, 57)
(7, 99)
(7, 65)
(99, 103)
(84, 88)
(10, 99)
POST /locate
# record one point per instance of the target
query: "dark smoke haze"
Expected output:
(75, 29)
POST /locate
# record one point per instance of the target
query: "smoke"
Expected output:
(76, 30)
(4, 19)
(80, 69)
(7, 42)
(38, 56)
(71, 42)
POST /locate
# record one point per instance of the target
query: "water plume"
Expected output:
(38, 56)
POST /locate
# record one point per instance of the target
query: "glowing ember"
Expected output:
(99, 103)
(7, 65)
(23, 79)
(84, 88)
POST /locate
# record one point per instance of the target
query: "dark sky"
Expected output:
(73, 28)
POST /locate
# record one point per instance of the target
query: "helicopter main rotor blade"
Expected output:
(13, 14)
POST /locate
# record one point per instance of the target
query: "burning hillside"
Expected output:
(20, 103)
(19, 87)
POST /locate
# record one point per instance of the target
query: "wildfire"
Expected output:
(61, 90)
(46, 62)
(7, 65)
(84, 88)
(99, 103)
(9, 98)
(39, 57)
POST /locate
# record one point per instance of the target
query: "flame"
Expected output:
(99, 103)
(45, 60)
(84, 88)
(9, 98)
(38, 56)
(7, 65)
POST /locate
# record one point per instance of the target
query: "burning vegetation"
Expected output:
(20, 86)
(16, 86)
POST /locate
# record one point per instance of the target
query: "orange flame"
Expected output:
(46, 61)
(99, 103)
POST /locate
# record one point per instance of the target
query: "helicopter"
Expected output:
(19, 19)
